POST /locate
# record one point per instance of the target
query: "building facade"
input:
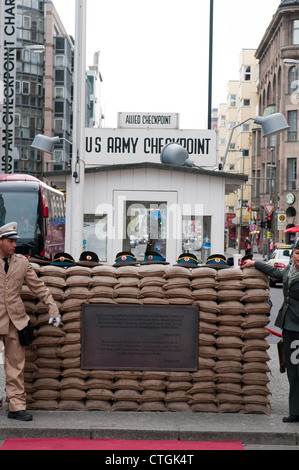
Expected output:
(275, 160)
(42, 87)
(240, 106)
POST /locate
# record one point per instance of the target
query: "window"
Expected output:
(292, 174)
(292, 120)
(245, 73)
(58, 125)
(95, 234)
(24, 121)
(59, 93)
(232, 101)
(26, 22)
(246, 128)
(58, 156)
(222, 120)
(26, 88)
(59, 108)
(196, 236)
(144, 220)
(24, 153)
(59, 61)
(246, 102)
(60, 44)
(293, 79)
(59, 77)
(295, 35)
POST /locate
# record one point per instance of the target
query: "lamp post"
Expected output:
(35, 48)
(78, 157)
(211, 64)
(271, 125)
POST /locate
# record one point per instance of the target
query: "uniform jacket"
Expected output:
(288, 315)
(11, 305)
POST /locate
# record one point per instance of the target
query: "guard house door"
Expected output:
(147, 220)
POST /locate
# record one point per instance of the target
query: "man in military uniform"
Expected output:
(15, 270)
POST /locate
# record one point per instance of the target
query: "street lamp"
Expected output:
(39, 48)
(46, 144)
(271, 125)
(175, 154)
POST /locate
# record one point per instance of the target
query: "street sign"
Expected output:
(281, 221)
(269, 208)
(253, 227)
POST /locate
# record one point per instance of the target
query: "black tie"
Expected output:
(5, 265)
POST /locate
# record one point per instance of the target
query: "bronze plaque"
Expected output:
(139, 337)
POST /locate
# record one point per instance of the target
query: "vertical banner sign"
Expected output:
(8, 13)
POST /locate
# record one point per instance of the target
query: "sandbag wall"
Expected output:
(232, 371)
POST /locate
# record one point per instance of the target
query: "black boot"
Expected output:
(291, 419)
(20, 415)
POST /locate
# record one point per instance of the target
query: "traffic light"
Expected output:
(269, 222)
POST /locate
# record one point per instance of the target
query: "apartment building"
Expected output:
(240, 106)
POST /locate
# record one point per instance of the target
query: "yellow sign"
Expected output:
(268, 235)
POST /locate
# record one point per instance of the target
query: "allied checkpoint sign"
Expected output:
(123, 146)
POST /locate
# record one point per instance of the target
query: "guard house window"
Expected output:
(295, 33)
(293, 80)
(196, 236)
(292, 174)
(95, 235)
(146, 228)
(292, 120)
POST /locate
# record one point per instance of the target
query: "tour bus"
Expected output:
(39, 211)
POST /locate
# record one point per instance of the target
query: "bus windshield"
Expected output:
(23, 207)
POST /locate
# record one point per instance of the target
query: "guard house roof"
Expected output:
(233, 181)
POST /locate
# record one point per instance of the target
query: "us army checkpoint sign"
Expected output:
(123, 146)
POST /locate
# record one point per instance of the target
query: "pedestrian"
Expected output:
(288, 320)
(15, 329)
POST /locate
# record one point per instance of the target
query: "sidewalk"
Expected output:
(253, 430)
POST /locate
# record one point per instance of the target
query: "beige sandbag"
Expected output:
(229, 342)
(99, 394)
(205, 294)
(232, 307)
(255, 295)
(255, 321)
(98, 405)
(125, 405)
(72, 394)
(227, 274)
(128, 395)
(103, 270)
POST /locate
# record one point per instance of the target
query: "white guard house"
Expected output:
(139, 206)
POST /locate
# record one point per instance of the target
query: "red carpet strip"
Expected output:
(111, 444)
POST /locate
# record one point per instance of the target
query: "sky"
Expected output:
(154, 55)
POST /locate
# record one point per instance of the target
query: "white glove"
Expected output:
(56, 321)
